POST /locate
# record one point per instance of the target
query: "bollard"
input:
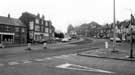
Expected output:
(1, 45)
(29, 46)
(44, 45)
(106, 44)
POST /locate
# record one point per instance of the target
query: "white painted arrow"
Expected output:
(83, 68)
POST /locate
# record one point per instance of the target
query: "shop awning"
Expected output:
(7, 33)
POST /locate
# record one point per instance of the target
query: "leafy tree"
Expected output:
(70, 28)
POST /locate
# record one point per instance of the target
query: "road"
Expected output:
(63, 61)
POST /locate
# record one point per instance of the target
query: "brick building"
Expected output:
(12, 31)
(38, 28)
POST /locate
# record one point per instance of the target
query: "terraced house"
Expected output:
(12, 31)
(38, 28)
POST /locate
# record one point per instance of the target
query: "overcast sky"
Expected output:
(65, 12)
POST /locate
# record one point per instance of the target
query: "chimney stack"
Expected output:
(43, 17)
(8, 15)
(38, 15)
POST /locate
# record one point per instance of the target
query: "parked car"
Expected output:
(117, 39)
(65, 40)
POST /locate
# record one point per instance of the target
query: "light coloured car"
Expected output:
(65, 40)
(117, 39)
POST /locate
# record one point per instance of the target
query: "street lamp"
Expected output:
(114, 28)
(131, 40)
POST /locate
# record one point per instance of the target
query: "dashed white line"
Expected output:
(39, 59)
(48, 58)
(1, 64)
(13, 63)
(27, 61)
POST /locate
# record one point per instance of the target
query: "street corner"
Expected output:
(107, 53)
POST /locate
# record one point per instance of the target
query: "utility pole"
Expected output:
(131, 39)
(114, 28)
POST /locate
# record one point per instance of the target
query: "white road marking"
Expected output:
(83, 68)
(1, 64)
(48, 58)
(64, 56)
(26, 61)
(13, 63)
(39, 59)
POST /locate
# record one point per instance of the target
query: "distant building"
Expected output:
(12, 31)
(38, 28)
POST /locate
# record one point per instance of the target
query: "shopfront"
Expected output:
(7, 38)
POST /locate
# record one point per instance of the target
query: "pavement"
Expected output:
(19, 45)
(36, 47)
(107, 53)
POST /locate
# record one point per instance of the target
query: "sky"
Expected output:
(65, 12)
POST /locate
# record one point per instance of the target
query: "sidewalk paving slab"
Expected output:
(107, 53)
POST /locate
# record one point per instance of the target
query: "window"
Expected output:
(7, 28)
(37, 28)
(46, 30)
(50, 31)
(22, 30)
(17, 29)
(31, 25)
(37, 21)
(46, 23)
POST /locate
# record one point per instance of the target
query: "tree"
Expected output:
(59, 35)
(70, 28)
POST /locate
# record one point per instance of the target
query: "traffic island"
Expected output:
(107, 53)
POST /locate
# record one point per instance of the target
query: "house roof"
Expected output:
(30, 14)
(10, 21)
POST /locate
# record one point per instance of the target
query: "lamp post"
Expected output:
(131, 39)
(114, 28)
